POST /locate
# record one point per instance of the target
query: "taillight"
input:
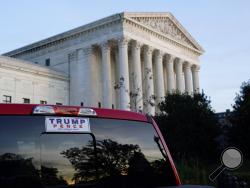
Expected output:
(87, 112)
(61, 110)
(43, 110)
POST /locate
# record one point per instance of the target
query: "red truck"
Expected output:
(68, 146)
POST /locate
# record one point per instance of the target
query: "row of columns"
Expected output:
(175, 68)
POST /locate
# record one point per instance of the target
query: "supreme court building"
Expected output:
(125, 61)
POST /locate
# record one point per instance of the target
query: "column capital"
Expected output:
(137, 44)
(179, 61)
(148, 49)
(195, 67)
(123, 41)
(187, 65)
(105, 45)
(159, 53)
(170, 58)
(87, 50)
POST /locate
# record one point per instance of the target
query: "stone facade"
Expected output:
(125, 61)
(25, 82)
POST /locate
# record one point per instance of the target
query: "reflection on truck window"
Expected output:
(123, 154)
(60, 170)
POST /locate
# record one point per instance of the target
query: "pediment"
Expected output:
(166, 24)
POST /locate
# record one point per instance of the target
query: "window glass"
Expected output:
(26, 100)
(20, 151)
(7, 99)
(135, 151)
(118, 153)
(63, 159)
(43, 102)
(47, 62)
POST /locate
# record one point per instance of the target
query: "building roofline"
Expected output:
(32, 68)
(64, 35)
(115, 17)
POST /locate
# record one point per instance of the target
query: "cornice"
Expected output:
(31, 68)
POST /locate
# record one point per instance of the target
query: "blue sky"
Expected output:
(222, 28)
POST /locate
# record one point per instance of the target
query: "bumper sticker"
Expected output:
(67, 124)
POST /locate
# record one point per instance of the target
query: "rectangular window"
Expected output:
(26, 101)
(47, 62)
(71, 160)
(7, 99)
(43, 102)
(58, 103)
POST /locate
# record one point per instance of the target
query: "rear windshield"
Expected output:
(112, 153)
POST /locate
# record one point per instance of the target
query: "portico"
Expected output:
(127, 61)
(146, 86)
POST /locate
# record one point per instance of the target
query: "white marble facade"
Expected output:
(25, 82)
(124, 61)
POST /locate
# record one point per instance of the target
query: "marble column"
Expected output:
(195, 74)
(159, 77)
(178, 71)
(81, 89)
(123, 74)
(188, 78)
(137, 76)
(149, 83)
(170, 73)
(106, 76)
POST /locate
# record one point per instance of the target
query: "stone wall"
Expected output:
(21, 79)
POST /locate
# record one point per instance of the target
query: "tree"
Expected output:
(109, 159)
(17, 171)
(240, 119)
(136, 88)
(49, 176)
(189, 125)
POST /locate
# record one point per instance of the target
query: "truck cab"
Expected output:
(70, 146)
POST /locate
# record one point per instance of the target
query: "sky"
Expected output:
(221, 27)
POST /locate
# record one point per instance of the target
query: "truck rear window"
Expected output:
(113, 153)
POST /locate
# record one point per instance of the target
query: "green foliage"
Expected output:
(13, 165)
(49, 176)
(189, 126)
(240, 119)
(111, 159)
(191, 171)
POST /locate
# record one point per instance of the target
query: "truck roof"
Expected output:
(27, 109)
